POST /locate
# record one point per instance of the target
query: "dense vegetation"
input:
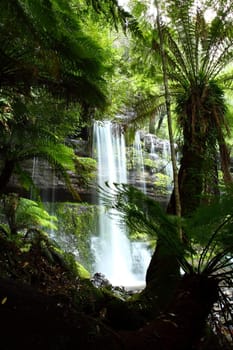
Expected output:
(65, 63)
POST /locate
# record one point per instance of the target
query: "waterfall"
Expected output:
(138, 162)
(34, 174)
(167, 158)
(40, 171)
(168, 164)
(122, 262)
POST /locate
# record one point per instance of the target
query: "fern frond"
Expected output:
(176, 61)
(53, 52)
(142, 213)
(116, 15)
(146, 107)
(30, 214)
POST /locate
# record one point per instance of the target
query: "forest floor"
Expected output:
(45, 305)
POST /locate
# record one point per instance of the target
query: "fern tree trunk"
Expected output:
(190, 179)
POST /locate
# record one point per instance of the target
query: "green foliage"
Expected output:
(77, 269)
(206, 249)
(116, 15)
(198, 54)
(53, 77)
(50, 50)
(86, 170)
(82, 272)
(215, 217)
(150, 163)
(208, 244)
(161, 183)
(61, 118)
(142, 214)
(25, 137)
(20, 215)
(30, 214)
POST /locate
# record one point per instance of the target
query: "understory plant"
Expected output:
(204, 254)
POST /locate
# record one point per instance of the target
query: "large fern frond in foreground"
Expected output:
(143, 214)
(209, 257)
(209, 247)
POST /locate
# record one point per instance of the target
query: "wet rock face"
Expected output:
(154, 143)
(48, 183)
(51, 187)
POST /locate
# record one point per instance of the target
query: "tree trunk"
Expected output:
(162, 277)
(182, 325)
(225, 162)
(152, 123)
(163, 271)
(190, 180)
(6, 174)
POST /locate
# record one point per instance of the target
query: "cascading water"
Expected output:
(168, 164)
(139, 162)
(34, 173)
(160, 153)
(119, 260)
(41, 170)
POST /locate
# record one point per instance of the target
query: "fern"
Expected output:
(22, 214)
(30, 214)
(53, 52)
(143, 214)
(208, 245)
(116, 15)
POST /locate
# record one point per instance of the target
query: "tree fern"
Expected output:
(53, 50)
(143, 214)
(208, 230)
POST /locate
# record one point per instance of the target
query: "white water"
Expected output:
(139, 162)
(123, 263)
(167, 157)
(34, 173)
(164, 159)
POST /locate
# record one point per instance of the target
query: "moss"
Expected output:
(82, 272)
(161, 183)
(149, 163)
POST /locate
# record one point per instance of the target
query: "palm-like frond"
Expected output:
(49, 49)
(213, 259)
(197, 54)
(143, 214)
(187, 39)
(26, 140)
(24, 214)
(116, 15)
(29, 214)
(215, 218)
(176, 61)
(196, 47)
(210, 227)
(60, 157)
(146, 107)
